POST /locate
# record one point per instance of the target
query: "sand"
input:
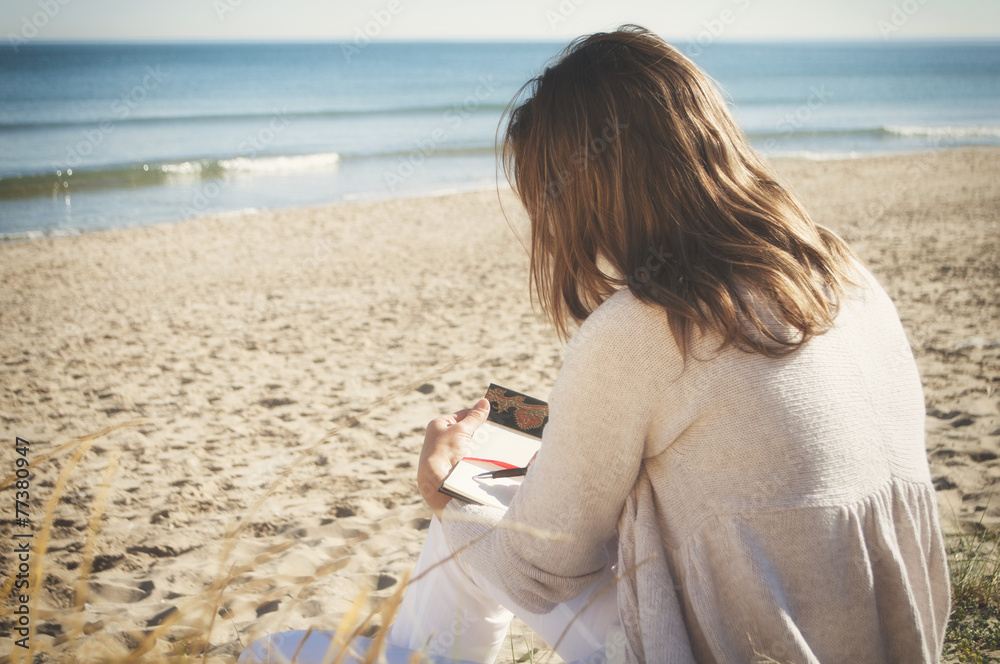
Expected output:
(280, 367)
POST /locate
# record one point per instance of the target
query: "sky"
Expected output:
(546, 20)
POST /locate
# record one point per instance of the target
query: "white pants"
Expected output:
(454, 612)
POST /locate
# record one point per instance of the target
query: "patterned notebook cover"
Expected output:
(517, 411)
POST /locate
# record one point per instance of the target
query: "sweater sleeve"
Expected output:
(549, 545)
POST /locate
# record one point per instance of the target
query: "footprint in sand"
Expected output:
(120, 593)
(268, 607)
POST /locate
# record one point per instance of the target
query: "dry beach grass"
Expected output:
(261, 382)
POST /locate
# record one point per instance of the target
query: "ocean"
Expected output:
(105, 135)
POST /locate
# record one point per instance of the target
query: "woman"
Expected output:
(734, 463)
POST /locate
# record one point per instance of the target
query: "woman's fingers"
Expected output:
(477, 414)
(446, 421)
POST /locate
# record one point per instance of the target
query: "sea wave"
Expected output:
(945, 132)
(26, 185)
(134, 175)
(802, 143)
(149, 174)
(306, 162)
(26, 123)
(182, 168)
(882, 132)
(37, 235)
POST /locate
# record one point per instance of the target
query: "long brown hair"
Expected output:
(634, 174)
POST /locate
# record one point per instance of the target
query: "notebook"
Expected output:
(509, 439)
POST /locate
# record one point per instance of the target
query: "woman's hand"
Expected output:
(447, 440)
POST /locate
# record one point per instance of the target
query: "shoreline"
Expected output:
(378, 195)
(285, 363)
(363, 197)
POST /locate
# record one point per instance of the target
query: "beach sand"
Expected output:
(279, 368)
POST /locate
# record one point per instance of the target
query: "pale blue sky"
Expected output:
(511, 19)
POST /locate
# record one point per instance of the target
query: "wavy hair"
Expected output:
(634, 174)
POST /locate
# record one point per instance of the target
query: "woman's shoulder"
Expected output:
(623, 314)
(626, 338)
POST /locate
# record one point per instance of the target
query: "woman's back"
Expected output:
(827, 424)
(787, 499)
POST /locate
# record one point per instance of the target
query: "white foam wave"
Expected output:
(37, 235)
(305, 162)
(945, 132)
(183, 168)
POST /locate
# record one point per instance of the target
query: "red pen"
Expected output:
(509, 470)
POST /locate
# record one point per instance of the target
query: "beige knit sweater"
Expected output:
(764, 507)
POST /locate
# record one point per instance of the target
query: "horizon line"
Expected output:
(499, 40)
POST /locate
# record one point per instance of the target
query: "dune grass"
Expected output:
(973, 633)
(189, 627)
